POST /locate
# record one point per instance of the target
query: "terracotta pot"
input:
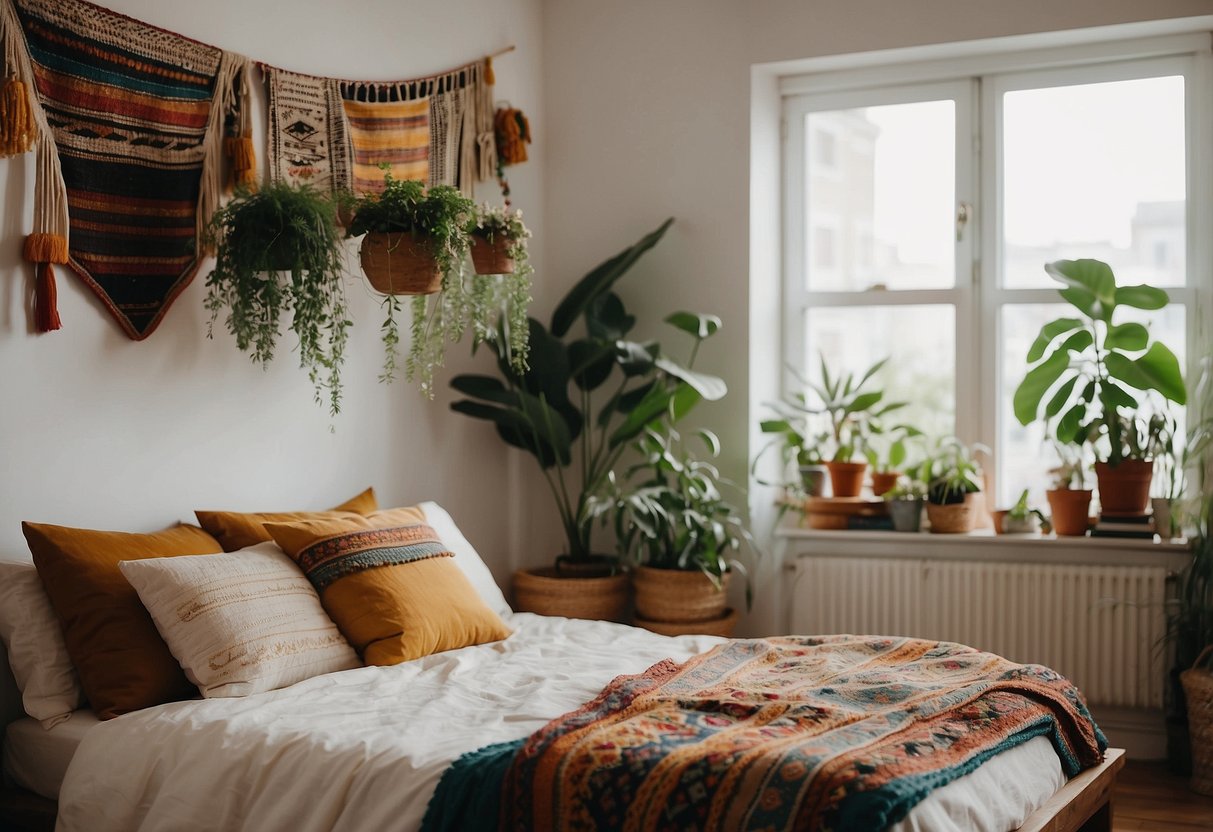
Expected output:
(951, 518)
(722, 626)
(813, 477)
(547, 592)
(400, 264)
(1124, 488)
(678, 595)
(491, 257)
(846, 478)
(1069, 508)
(882, 481)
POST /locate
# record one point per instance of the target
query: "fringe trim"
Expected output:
(44, 250)
(17, 131)
(243, 157)
(230, 98)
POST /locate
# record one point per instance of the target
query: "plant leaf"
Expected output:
(1036, 383)
(1060, 398)
(1070, 425)
(700, 326)
(1048, 334)
(1094, 277)
(1141, 297)
(1130, 336)
(606, 318)
(711, 388)
(601, 279)
(590, 362)
(651, 407)
(1157, 370)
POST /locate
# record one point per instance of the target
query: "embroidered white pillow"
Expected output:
(240, 623)
(37, 654)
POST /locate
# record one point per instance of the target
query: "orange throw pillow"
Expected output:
(240, 530)
(389, 584)
(123, 663)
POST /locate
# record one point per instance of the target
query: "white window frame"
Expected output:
(977, 81)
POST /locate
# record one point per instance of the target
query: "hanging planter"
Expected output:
(498, 241)
(491, 256)
(400, 264)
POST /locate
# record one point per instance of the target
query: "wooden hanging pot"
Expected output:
(492, 256)
(400, 263)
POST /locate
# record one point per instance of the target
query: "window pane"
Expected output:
(881, 191)
(1024, 456)
(1096, 170)
(920, 343)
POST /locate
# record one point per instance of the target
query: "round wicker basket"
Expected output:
(399, 264)
(491, 257)
(1198, 690)
(678, 595)
(546, 592)
(952, 518)
(723, 626)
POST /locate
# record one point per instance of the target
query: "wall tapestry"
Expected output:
(129, 161)
(336, 134)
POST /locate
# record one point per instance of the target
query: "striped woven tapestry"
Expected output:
(137, 131)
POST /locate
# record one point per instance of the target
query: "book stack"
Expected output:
(1139, 526)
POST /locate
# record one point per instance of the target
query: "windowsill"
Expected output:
(984, 545)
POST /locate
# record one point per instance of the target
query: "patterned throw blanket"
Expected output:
(796, 733)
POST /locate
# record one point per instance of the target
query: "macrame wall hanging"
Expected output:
(131, 121)
(337, 134)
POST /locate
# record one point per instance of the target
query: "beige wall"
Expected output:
(97, 430)
(648, 108)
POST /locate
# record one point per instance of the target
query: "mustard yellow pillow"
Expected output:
(122, 662)
(239, 530)
(389, 584)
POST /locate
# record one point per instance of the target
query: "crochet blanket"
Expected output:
(796, 733)
(135, 114)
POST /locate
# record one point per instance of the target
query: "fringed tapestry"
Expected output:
(133, 121)
(338, 134)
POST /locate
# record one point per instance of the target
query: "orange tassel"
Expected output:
(513, 132)
(16, 119)
(45, 250)
(490, 77)
(244, 161)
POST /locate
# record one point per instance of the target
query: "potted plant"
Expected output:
(415, 243)
(886, 466)
(905, 500)
(1085, 370)
(278, 250)
(1069, 499)
(1021, 519)
(951, 475)
(674, 526)
(581, 402)
(791, 434)
(498, 240)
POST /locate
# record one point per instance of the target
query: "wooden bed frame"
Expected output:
(1082, 805)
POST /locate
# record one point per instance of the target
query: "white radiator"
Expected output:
(1099, 626)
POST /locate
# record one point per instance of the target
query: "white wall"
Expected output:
(100, 431)
(648, 107)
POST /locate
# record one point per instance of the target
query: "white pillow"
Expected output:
(31, 631)
(240, 623)
(474, 569)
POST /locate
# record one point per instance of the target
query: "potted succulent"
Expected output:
(278, 250)
(1021, 519)
(585, 397)
(952, 474)
(1085, 370)
(415, 243)
(498, 240)
(1069, 498)
(905, 501)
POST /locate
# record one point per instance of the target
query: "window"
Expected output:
(949, 188)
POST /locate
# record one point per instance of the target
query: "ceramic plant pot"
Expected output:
(1070, 508)
(1124, 488)
(813, 477)
(491, 257)
(906, 514)
(846, 478)
(882, 481)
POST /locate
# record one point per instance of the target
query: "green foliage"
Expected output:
(1084, 371)
(584, 398)
(952, 471)
(907, 488)
(278, 250)
(440, 215)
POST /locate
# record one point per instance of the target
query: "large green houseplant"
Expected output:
(278, 250)
(587, 394)
(1090, 375)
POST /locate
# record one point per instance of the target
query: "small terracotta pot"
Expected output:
(1124, 488)
(491, 257)
(846, 478)
(1069, 508)
(951, 518)
(882, 481)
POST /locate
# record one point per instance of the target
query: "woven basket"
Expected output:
(722, 626)
(678, 595)
(492, 257)
(542, 591)
(953, 518)
(1198, 690)
(400, 264)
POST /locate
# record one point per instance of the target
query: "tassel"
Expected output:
(490, 77)
(16, 119)
(244, 161)
(513, 132)
(46, 250)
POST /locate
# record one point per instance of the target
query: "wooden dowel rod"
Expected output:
(504, 51)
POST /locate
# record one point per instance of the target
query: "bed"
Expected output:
(367, 748)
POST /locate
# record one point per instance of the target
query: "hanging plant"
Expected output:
(500, 236)
(279, 250)
(416, 244)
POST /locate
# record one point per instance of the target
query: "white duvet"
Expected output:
(363, 750)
